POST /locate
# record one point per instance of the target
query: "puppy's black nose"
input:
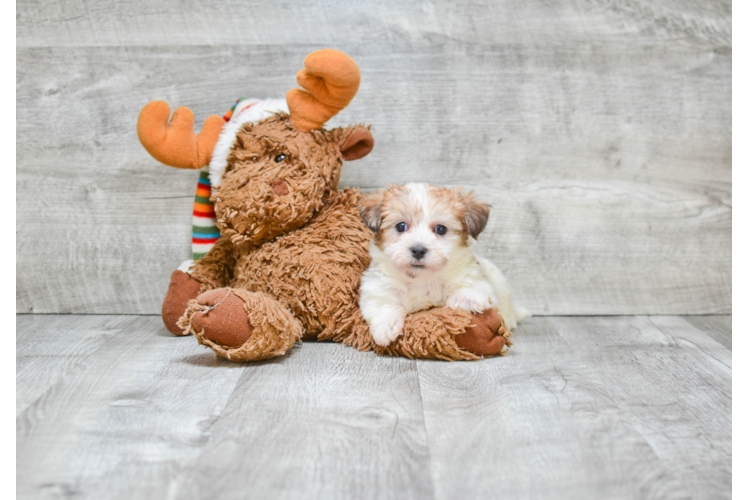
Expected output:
(418, 252)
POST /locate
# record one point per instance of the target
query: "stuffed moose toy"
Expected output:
(292, 247)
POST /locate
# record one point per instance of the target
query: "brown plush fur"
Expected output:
(248, 209)
(315, 271)
(295, 256)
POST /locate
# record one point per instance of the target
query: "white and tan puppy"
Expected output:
(422, 257)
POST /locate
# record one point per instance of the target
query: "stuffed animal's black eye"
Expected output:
(440, 229)
(401, 227)
(280, 158)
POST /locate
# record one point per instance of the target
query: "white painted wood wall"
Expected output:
(599, 130)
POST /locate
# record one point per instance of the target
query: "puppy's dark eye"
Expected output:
(401, 227)
(280, 158)
(440, 229)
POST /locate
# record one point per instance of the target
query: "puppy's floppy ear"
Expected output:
(370, 208)
(355, 141)
(475, 216)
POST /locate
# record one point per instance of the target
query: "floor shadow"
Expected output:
(163, 332)
(209, 358)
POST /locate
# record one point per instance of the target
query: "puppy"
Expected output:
(421, 257)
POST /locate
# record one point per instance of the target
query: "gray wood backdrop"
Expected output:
(599, 130)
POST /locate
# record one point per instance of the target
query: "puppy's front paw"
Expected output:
(472, 301)
(387, 327)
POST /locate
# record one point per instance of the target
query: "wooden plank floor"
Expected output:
(582, 407)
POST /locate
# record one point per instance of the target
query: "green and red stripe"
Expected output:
(204, 230)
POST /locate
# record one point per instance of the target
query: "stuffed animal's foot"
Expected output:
(182, 289)
(487, 335)
(241, 325)
(222, 318)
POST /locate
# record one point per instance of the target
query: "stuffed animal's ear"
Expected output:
(370, 208)
(356, 142)
(475, 216)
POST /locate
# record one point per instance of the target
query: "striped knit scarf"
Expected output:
(204, 230)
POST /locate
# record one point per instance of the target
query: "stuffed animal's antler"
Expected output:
(175, 143)
(331, 78)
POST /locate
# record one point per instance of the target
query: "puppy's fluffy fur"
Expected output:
(422, 257)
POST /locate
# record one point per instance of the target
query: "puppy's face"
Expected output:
(419, 227)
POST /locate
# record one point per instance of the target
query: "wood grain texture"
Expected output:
(325, 422)
(591, 215)
(48, 347)
(192, 22)
(630, 407)
(580, 408)
(608, 164)
(674, 384)
(125, 422)
(546, 422)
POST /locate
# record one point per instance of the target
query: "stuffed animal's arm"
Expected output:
(216, 268)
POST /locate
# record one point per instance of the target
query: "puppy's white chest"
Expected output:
(421, 294)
